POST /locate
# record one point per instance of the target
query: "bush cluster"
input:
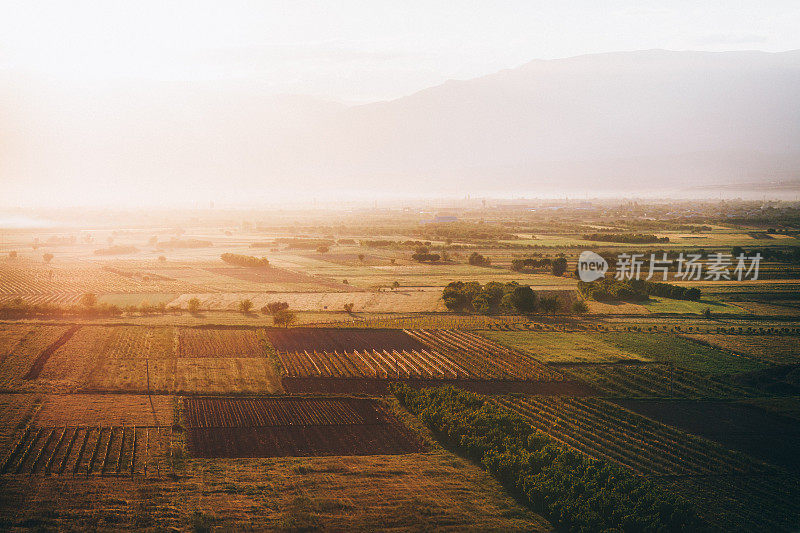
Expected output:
(634, 290)
(575, 492)
(244, 260)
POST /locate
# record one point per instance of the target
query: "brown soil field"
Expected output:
(193, 342)
(277, 427)
(332, 339)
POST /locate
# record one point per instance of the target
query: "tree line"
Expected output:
(634, 290)
(628, 238)
(495, 297)
(244, 260)
(576, 492)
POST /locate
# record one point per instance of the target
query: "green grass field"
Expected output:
(556, 347)
(681, 352)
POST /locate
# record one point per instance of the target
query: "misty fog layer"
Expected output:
(652, 119)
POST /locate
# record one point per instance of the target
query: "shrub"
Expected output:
(273, 307)
(244, 260)
(194, 305)
(478, 260)
(580, 307)
(245, 306)
(284, 318)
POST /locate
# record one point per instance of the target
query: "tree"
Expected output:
(284, 318)
(245, 306)
(194, 305)
(523, 299)
(707, 312)
(395, 285)
(348, 308)
(273, 307)
(559, 266)
(361, 257)
(145, 308)
(478, 260)
(47, 257)
(88, 300)
(549, 304)
(579, 307)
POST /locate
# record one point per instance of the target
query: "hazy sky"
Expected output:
(358, 51)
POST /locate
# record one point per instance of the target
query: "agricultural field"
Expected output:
(777, 349)
(91, 451)
(655, 381)
(193, 342)
(158, 419)
(678, 461)
(29, 354)
(296, 427)
(385, 301)
(765, 435)
(421, 354)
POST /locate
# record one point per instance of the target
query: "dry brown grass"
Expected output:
(231, 374)
(19, 362)
(104, 410)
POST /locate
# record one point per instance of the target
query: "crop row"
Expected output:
(90, 451)
(606, 431)
(655, 381)
(410, 354)
(25, 278)
(218, 343)
(285, 426)
(273, 412)
(341, 340)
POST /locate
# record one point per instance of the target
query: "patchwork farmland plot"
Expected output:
(90, 450)
(29, 353)
(654, 380)
(606, 431)
(778, 349)
(325, 359)
(219, 343)
(733, 488)
(64, 283)
(277, 427)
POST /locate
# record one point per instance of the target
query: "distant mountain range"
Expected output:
(619, 121)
